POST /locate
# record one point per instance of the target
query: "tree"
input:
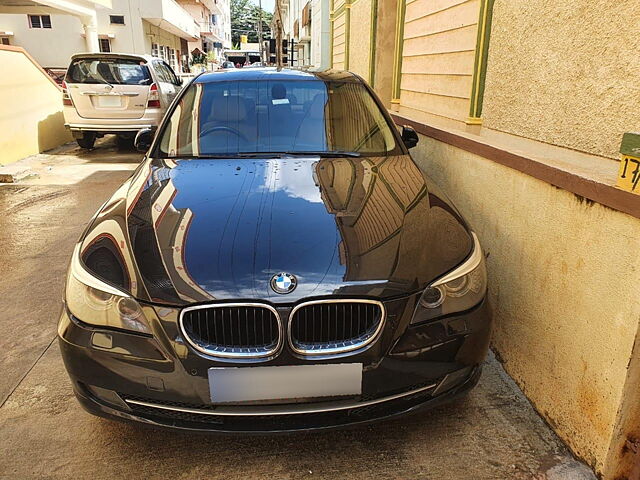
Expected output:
(245, 16)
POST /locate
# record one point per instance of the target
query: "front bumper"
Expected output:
(159, 380)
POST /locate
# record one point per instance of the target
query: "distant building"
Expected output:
(305, 25)
(163, 28)
(214, 20)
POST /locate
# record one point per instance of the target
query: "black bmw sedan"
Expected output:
(277, 262)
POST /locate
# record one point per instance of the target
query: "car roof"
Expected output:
(135, 56)
(272, 73)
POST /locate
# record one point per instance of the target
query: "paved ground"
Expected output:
(492, 434)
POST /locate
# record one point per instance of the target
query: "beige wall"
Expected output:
(65, 33)
(565, 72)
(438, 58)
(360, 37)
(128, 38)
(385, 43)
(320, 33)
(31, 118)
(563, 276)
(153, 34)
(339, 35)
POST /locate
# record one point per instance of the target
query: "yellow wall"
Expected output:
(155, 34)
(31, 119)
(384, 49)
(339, 35)
(438, 57)
(565, 73)
(563, 276)
(360, 37)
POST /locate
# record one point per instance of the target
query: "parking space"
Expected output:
(494, 433)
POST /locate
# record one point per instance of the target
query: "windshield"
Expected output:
(114, 71)
(276, 116)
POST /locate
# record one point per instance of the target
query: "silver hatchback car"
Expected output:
(116, 93)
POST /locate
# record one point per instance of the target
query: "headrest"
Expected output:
(231, 108)
(278, 91)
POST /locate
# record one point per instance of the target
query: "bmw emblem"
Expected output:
(283, 283)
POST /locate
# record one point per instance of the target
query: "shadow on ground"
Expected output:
(492, 434)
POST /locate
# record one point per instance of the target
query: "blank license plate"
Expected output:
(285, 382)
(109, 101)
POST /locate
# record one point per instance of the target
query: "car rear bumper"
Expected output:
(76, 123)
(160, 381)
(108, 128)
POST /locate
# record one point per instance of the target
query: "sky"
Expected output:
(267, 5)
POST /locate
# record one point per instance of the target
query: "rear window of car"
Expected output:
(277, 116)
(116, 71)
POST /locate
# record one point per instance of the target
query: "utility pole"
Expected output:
(278, 36)
(260, 31)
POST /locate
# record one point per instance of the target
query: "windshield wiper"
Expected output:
(223, 156)
(232, 155)
(304, 153)
(322, 153)
(103, 81)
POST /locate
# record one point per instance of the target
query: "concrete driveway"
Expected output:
(492, 434)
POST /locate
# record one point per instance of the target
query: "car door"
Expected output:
(109, 86)
(177, 81)
(167, 82)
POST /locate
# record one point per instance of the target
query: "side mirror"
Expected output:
(143, 140)
(409, 136)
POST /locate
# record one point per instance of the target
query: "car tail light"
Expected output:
(66, 99)
(154, 97)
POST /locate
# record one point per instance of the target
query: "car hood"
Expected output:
(189, 231)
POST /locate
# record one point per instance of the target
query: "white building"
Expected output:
(306, 23)
(214, 19)
(164, 28)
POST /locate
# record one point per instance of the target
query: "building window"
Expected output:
(172, 58)
(154, 49)
(5, 41)
(214, 19)
(116, 19)
(39, 21)
(105, 45)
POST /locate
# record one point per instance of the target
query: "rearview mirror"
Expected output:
(143, 139)
(409, 136)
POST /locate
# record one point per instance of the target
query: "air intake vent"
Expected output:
(328, 327)
(232, 330)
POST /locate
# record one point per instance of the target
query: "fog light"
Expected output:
(432, 297)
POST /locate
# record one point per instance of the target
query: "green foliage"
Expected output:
(198, 59)
(245, 16)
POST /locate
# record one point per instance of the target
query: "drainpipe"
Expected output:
(90, 26)
(86, 14)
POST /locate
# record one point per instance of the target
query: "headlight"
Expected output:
(95, 302)
(457, 291)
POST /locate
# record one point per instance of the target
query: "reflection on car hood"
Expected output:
(201, 230)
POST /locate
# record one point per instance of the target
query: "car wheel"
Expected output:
(87, 140)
